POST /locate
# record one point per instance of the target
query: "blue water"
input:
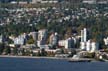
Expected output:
(28, 64)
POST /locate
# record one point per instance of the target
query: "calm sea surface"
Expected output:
(29, 64)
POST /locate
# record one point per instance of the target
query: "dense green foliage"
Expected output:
(96, 25)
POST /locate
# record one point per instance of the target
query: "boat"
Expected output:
(80, 60)
(76, 58)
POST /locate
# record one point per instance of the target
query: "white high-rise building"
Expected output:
(84, 35)
(83, 39)
(88, 45)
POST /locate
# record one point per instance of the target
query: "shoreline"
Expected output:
(52, 58)
(33, 57)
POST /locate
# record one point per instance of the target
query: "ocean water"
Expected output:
(30, 64)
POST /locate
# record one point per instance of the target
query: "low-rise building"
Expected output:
(68, 43)
(42, 36)
(54, 39)
(20, 40)
(89, 46)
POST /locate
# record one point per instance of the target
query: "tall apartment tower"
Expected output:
(84, 35)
